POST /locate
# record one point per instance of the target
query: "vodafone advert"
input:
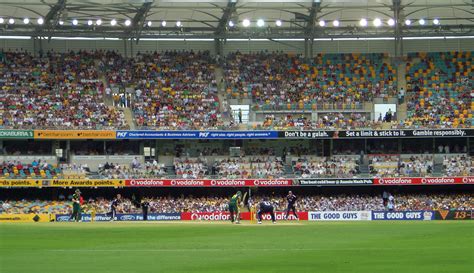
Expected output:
(208, 182)
(424, 180)
(225, 216)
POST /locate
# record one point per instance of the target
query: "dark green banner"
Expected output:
(16, 134)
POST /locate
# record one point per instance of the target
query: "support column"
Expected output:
(67, 152)
(125, 48)
(311, 48)
(308, 48)
(131, 48)
(219, 47)
(398, 43)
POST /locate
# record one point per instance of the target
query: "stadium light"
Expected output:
(26, 21)
(1, 20)
(246, 22)
(436, 21)
(149, 23)
(260, 23)
(377, 22)
(75, 22)
(363, 22)
(178, 23)
(11, 21)
(40, 21)
(61, 22)
(128, 22)
(163, 23)
(335, 23)
(231, 24)
(422, 21)
(278, 23)
(113, 22)
(89, 23)
(322, 23)
(407, 22)
(391, 22)
(98, 22)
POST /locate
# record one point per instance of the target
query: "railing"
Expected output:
(308, 107)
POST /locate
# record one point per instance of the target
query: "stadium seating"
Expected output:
(458, 165)
(317, 167)
(401, 165)
(169, 204)
(176, 91)
(54, 91)
(190, 168)
(440, 90)
(288, 82)
(35, 169)
(250, 167)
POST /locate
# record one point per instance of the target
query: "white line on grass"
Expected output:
(255, 249)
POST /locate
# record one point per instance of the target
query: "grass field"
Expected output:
(221, 247)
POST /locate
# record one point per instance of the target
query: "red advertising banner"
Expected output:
(225, 216)
(208, 182)
(424, 180)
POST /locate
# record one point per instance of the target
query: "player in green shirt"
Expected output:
(76, 206)
(234, 207)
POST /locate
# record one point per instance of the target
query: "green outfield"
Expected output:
(426, 246)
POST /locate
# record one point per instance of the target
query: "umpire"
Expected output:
(145, 205)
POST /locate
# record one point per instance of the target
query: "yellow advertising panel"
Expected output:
(86, 183)
(62, 183)
(31, 217)
(21, 183)
(74, 134)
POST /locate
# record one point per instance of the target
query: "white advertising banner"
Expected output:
(339, 216)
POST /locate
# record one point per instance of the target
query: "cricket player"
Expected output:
(76, 206)
(234, 207)
(291, 198)
(145, 205)
(391, 203)
(265, 207)
(113, 207)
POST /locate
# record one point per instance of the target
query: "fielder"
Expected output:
(291, 198)
(265, 207)
(113, 207)
(76, 206)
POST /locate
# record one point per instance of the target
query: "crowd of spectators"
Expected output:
(335, 166)
(283, 81)
(388, 165)
(440, 90)
(176, 90)
(458, 165)
(151, 169)
(169, 204)
(190, 168)
(250, 167)
(36, 169)
(329, 120)
(55, 90)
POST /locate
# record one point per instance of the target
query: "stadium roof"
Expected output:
(224, 19)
